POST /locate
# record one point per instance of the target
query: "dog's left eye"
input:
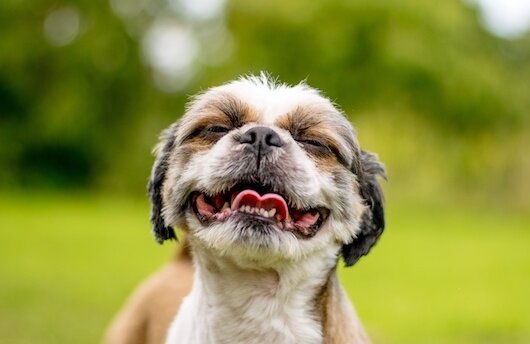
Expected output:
(320, 148)
(313, 144)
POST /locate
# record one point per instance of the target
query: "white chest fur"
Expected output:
(233, 305)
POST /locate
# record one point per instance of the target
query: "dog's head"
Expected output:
(256, 169)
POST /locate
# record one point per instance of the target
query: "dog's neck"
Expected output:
(230, 303)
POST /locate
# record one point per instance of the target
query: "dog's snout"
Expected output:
(262, 139)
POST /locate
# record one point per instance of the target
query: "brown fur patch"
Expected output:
(299, 120)
(147, 315)
(226, 111)
(340, 323)
(326, 162)
(237, 111)
(315, 132)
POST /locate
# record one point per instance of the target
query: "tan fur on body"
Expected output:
(148, 313)
(146, 317)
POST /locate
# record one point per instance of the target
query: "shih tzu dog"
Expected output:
(271, 187)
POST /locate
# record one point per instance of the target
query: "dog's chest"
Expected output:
(260, 320)
(247, 314)
(267, 319)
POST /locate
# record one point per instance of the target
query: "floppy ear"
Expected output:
(373, 219)
(156, 181)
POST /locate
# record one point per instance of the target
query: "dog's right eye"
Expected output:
(217, 129)
(212, 132)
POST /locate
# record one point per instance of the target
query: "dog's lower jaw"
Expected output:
(232, 304)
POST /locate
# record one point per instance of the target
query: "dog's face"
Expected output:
(258, 170)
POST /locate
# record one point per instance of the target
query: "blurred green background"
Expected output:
(86, 86)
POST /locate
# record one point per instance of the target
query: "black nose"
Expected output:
(261, 139)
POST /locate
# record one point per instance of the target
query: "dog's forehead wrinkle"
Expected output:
(271, 100)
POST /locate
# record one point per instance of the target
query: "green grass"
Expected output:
(446, 275)
(439, 274)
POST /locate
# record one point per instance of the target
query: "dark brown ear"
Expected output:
(373, 219)
(156, 181)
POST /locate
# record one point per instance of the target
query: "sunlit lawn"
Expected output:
(439, 275)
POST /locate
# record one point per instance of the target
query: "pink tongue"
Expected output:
(267, 202)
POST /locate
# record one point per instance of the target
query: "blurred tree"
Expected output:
(435, 59)
(79, 103)
(68, 107)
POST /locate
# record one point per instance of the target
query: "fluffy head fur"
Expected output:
(318, 167)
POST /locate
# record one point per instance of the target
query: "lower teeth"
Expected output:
(258, 211)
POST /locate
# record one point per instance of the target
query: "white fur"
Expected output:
(232, 304)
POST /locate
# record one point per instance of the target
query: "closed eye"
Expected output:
(314, 144)
(211, 131)
(218, 129)
(320, 148)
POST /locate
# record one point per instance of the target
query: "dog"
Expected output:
(271, 188)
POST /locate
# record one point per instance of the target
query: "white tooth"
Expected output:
(242, 208)
(272, 212)
(247, 209)
(261, 211)
(252, 210)
(225, 206)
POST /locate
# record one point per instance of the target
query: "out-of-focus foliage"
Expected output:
(69, 113)
(434, 59)
(427, 86)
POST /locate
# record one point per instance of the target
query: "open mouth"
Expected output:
(259, 203)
